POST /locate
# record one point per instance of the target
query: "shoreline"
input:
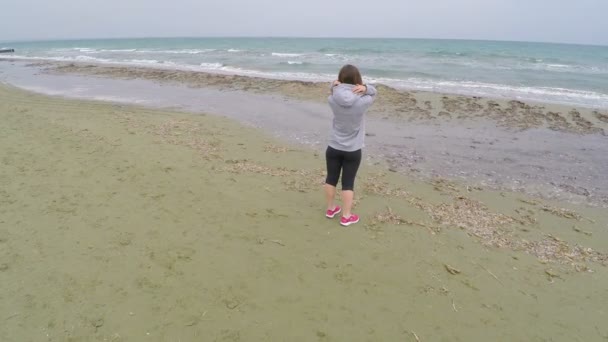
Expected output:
(316, 82)
(515, 147)
(124, 222)
(394, 103)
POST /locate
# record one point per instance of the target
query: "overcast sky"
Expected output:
(574, 21)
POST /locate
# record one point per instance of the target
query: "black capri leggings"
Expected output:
(345, 162)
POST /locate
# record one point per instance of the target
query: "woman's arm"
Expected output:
(369, 95)
(333, 84)
(370, 90)
(366, 89)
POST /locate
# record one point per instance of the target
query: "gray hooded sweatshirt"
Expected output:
(348, 129)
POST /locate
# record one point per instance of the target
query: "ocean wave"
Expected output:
(470, 88)
(177, 52)
(526, 64)
(295, 62)
(90, 59)
(447, 53)
(351, 51)
(569, 68)
(281, 54)
(212, 66)
(83, 49)
(143, 61)
(336, 56)
(116, 50)
(78, 49)
(234, 50)
(559, 66)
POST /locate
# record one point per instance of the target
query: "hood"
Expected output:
(343, 95)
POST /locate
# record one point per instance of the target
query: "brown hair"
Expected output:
(349, 74)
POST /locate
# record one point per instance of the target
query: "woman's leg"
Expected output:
(350, 166)
(334, 161)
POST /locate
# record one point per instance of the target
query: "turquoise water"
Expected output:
(569, 74)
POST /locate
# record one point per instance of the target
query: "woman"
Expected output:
(349, 100)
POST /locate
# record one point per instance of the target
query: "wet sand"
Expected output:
(395, 104)
(121, 223)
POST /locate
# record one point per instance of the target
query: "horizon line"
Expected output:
(40, 40)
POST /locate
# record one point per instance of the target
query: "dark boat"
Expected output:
(2, 50)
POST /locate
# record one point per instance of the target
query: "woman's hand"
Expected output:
(360, 89)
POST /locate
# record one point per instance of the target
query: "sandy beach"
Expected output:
(126, 223)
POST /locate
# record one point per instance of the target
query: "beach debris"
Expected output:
(600, 116)
(490, 273)
(389, 217)
(241, 166)
(530, 202)
(415, 336)
(469, 284)
(552, 248)
(275, 149)
(578, 230)
(562, 212)
(278, 242)
(98, 323)
(374, 185)
(196, 319)
(12, 316)
(232, 303)
(303, 181)
(551, 274)
(445, 186)
(190, 134)
(454, 306)
(470, 215)
(495, 229)
(493, 275)
(452, 270)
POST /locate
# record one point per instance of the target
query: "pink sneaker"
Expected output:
(333, 213)
(348, 221)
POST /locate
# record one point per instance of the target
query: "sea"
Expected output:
(556, 73)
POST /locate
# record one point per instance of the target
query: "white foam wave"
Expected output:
(117, 50)
(234, 50)
(143, 61)
(295, 62)
(89, 59)
(212, 66)
(177, 52)
(539, 94)
(279, 54)
(584, 69)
